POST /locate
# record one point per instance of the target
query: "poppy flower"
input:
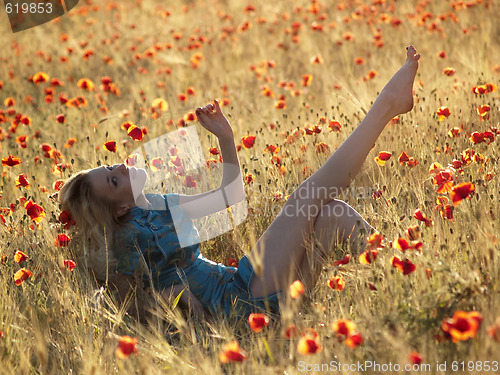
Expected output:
(62, 240)
(403, 158)
(343, 327)
(11, 161)
(354, 340)
(66, 220)
(443, 112)
(135, 133)
(382, 157)
(334, 126)
(40, 77)
(22, 275)
(449, 71)
(477, 137)
(69, 264)
(405, 266)
(461, 191)
(126, 346)
(309, 343)
(368, 256)
(20, 256)
(189, 181)
(61, 118)
(494, 330)
(85, 84)
(231, 262)
(419, 215)
(321, 147)
(306, 79)
(22, 181)
(110, 146)
(462, 326)
(258, 322)
(160, 104)
(483, 111)
(375, 241)
(232, 352)
(249, 178)
(342, 261)
(291, 331)
(316, 60)
(296, 289)
(415, 358)
(35, 212)
(214, 151)
(336, 283)
(248, 141)
(454, 132)
(132, 160)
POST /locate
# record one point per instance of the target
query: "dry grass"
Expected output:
(59, 322)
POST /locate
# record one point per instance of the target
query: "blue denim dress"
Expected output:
(149, 244)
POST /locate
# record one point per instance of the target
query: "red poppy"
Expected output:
(110, 146)
(11, 161)
(85, 84)
(449, 71)
(258, 321)
(69, 264)
(461, 191)
(22, 181)
(61, 119)
(375, 241)
(322, 147)
(354, 339)
(248, 141)
(336, 283)
(126, 346)
(415, 358)
(249, 178)
(20, 256)
(296, 289)
(443, 112)
(40, 77)
(343, 327)
(66, 219)
(382, 157)
(494, 330)
(157, 164)
(22, 275)
(232, 352)
(291, 331)
(419, 215)
(189, 181)
(368, 256)
(309, 343)
(462, 326)
(306, 79)
(35, 212)
(483, 111)
(135, 133)
(214, 151)
(342, 261)
(62, 240)
(334, 126)
(405, 266)
(482, 137)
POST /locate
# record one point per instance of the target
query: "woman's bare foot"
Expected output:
(398, 92)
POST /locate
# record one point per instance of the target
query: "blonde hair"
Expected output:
(95, 222)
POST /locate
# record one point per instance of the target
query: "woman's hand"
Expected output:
(212, 119)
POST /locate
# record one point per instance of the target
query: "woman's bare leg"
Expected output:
(337, 224)
(280, 250)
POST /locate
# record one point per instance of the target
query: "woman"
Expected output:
(102, 203)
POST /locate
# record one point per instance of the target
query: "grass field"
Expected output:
(279, 68)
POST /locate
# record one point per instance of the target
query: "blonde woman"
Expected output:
(145, 247)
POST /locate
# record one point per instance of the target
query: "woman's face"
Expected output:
(118, 184)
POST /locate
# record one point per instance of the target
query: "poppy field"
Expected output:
(294, 78)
